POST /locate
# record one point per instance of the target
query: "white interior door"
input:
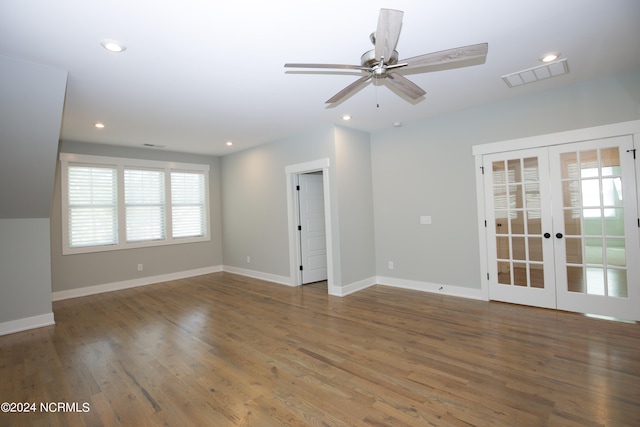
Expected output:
(519, 228)
(313, 241)
(562, 227)
(595, 209)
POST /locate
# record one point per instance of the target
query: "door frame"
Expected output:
(598, 132)
(292, 172)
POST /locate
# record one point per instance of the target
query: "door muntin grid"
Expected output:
(518, 229)
(593, 214)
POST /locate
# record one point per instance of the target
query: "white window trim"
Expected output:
(120, 163)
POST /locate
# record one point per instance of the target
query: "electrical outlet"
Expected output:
(140, 267)
(390, 265)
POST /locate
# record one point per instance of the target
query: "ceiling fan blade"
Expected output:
(405, 85)
(348, 90)
(334, 66)
(449, 56)
(387, 32)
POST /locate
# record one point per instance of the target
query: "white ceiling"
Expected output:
(197, 73)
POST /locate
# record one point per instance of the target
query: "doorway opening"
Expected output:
(559, 232)
(310, 236)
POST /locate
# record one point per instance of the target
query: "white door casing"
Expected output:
(292, 171)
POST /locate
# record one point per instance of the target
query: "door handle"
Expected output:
(547, 235)
(559, 235)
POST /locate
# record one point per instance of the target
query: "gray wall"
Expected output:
(25, 269)
(82, 270)
(31, 102)
(254, 203)
(355, 205)
(427, 168)
(254, 200)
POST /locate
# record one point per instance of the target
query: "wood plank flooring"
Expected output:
(225, 350)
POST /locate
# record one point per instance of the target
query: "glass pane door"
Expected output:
(597, 234)
(518, 221)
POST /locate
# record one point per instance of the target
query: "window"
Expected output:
(116, 203)
(92, 206)
(144, 204)
(187, 204)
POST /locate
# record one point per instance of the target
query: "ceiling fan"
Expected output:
(382, 61)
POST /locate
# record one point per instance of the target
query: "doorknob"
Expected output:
(559, 235)
(547, 235)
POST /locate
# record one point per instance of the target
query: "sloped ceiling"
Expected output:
(198, 73)
(31, 100)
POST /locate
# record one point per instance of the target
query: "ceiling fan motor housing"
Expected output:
(378, 68)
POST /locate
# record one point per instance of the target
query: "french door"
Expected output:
(562, 227)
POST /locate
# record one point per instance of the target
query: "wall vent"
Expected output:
(542, 72)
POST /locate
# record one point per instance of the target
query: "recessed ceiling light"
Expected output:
(99, 125)
(113, 45)
(229, 143)
(550, 57)
(346, 117)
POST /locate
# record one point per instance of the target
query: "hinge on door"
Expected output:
(487, 276)
(633, 150)
(297, 188)
(299, 228)
(485, 223)
(300, 268)
(482, 169)
(638, 222)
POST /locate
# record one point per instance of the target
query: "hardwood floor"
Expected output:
(225, 350)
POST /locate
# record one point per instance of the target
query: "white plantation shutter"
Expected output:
(188, 204)
(92, 206)
(144, 204)
(113, 203)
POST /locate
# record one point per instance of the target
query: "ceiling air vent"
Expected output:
(534, 74)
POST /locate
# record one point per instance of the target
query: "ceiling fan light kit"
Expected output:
(382, 62)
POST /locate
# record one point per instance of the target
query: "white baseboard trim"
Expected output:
(143, 281)
(342, 291)
(282, 280)
(354, 287)
(436, 288)
(27, 323)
